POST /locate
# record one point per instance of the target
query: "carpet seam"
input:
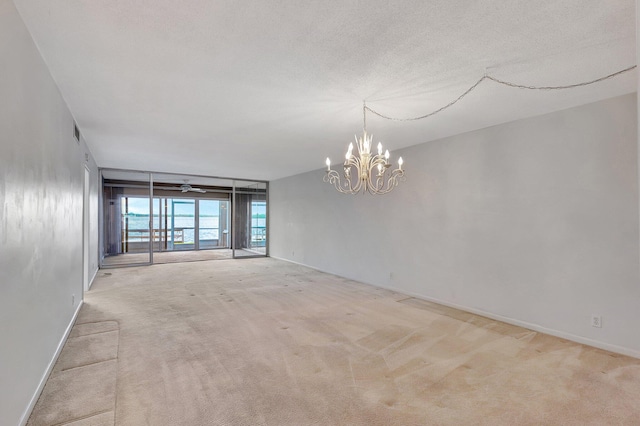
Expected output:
(93, 334)
(88, 416)
(91, 363)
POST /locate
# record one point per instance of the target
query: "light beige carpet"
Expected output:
(82, 386)
(169, 257)
(265, 342)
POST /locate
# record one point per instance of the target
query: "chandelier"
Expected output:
(365, 171)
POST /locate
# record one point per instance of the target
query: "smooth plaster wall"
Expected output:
(533, 221)
(41, 193)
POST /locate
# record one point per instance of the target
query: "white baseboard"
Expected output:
(535, 327)
(95, 274)
(47, 372)
(304, 264)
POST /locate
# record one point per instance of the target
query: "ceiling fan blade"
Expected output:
(185, 188)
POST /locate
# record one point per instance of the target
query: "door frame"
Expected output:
(85, 228)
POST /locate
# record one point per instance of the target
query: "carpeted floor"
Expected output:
(265, 342)
(169, 257)
(180, 256)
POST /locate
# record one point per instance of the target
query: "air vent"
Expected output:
(76, 132)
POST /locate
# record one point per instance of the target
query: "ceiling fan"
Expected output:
(185, 187)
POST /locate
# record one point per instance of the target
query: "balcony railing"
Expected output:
(185, 236)
(133, 239)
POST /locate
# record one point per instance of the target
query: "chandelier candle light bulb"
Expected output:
(365, 178)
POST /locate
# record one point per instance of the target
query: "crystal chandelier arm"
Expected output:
(378, 167)
(358, 183)
(348, 185)
(352, 162)
(359, 165)
(332, 177)
(381, 189)
(352, 183)
(396, 176)
(345, 187)
(379, 185)
(376, 184)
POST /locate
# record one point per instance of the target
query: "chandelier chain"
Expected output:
(505, 83)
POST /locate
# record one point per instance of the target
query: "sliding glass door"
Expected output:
(250, 219)
(126, 221)
(183, 224)
(190, 224)
(151, 215)
(213, 219)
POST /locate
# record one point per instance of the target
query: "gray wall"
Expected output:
(41, 193)
(533, 221)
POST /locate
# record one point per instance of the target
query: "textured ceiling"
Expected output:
(267, 89)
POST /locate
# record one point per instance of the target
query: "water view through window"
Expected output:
(258, 223)
(174, 221)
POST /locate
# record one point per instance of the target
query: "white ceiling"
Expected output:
(267, 89)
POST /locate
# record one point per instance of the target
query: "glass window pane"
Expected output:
(209, 224)
(250, 219)
(126, 218)
(183, 224)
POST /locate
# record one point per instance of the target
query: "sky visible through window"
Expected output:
(186, 207)
(183, 207)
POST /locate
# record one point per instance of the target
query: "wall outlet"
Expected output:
(596, 321)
